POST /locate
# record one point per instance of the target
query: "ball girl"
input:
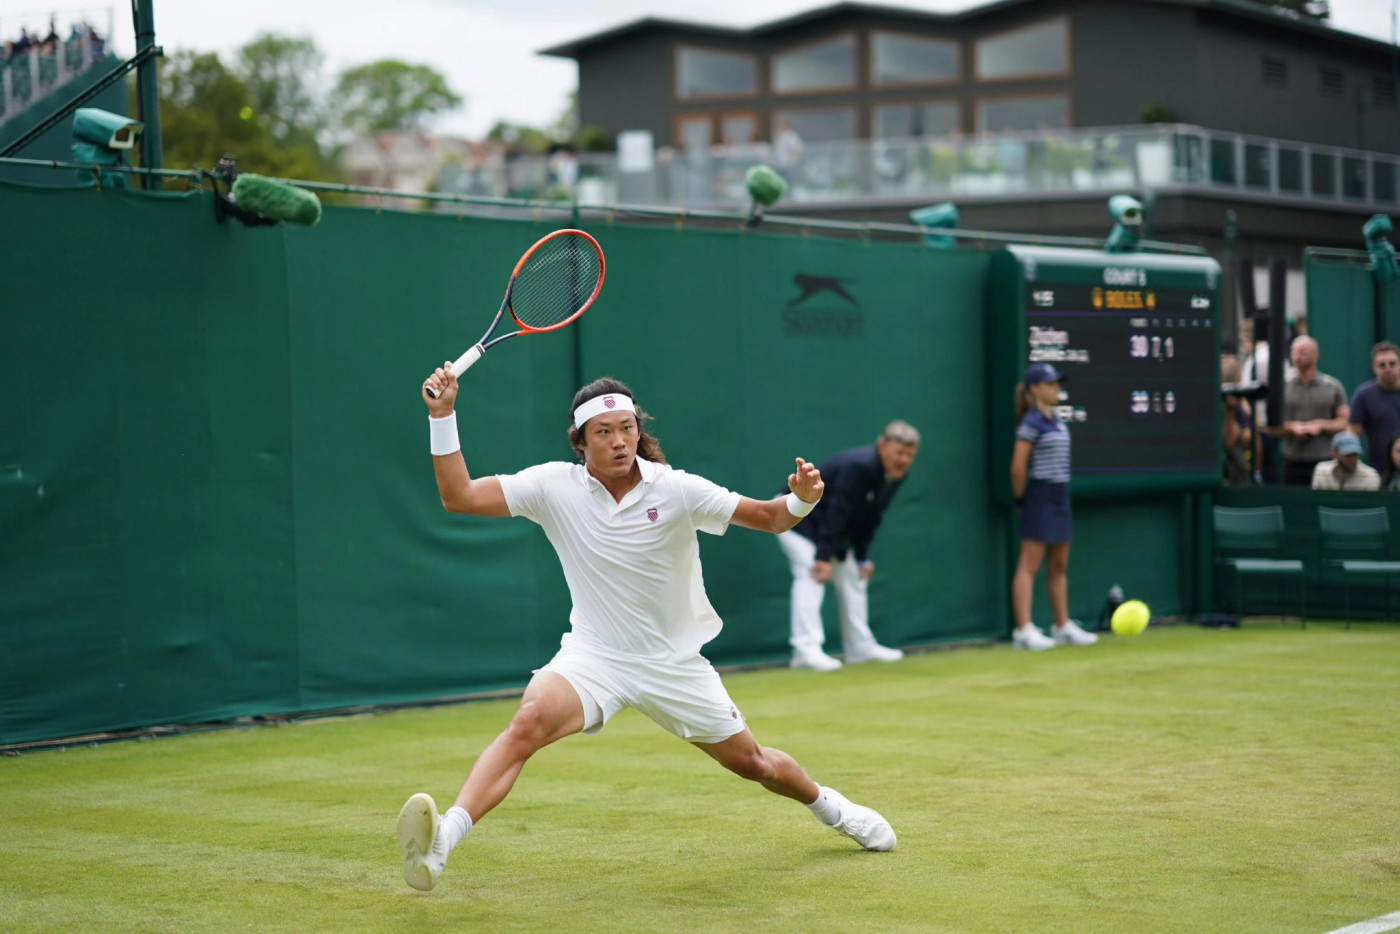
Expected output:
(1040, 482)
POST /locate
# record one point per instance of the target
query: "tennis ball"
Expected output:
(765, 185)
(246, 113)
(1131, 618)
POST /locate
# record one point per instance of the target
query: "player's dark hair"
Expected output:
(1024, 402)
(648, 448)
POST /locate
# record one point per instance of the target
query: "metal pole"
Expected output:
(148, 90)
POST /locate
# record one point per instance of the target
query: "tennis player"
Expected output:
(623, 523)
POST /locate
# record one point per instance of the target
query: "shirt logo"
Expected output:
(653, 515)
(609, 402)
(733, 714)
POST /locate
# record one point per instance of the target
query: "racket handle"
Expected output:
(461, 365)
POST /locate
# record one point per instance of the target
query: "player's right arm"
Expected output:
(459, 492)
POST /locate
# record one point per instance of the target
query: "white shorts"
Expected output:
(685, 698)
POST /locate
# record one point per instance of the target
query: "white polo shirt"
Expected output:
(633, 567)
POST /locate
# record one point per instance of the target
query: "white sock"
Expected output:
(455, 824)
(826, 807)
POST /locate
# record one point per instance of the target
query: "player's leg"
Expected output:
(549, 710)
(853, 600)
(1057, 581)
(1027, 636)
(807, 634)
(1066, 631)
(781, 774)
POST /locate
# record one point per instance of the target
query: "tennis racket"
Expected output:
(554, 282)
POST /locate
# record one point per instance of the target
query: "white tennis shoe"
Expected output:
(815, 661)
(877, 653)
(862, 824)
(1030, 637)
(1071, 634)
(424, 849)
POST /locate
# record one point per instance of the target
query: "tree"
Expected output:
(283, 74)
(390, 95)
(205, 112)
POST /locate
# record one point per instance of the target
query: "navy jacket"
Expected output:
(852, 505)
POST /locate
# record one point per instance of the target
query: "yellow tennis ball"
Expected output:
(1131, 618)
(246, 113)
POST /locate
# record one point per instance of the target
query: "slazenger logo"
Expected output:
(823, 307)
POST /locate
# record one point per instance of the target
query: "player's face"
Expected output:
(1046, 393)
(897, 458)
(1386, 366)
(610, 444)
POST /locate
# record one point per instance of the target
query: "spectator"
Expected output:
(23, 43)
(1314, 409)
(1345, 471)
(1237, 426)
(1040, 482)
(1375, 406)
(832, 545)
(1390, 471)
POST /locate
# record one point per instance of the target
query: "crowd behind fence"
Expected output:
(32, 64)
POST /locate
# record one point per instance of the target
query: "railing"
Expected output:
(30, 75)
(1160, 158)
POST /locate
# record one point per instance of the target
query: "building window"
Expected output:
(821, 66)
(1044, 112)
(1383, 181)
(1331, 81)
(1383, 93)
(1322, 174)
(1354, 178)
(1034, 51)
(704, 73)
(703, 130)
(815, 124)
(898, 58)
(916, 119)
(1290, 171)
(1274, 72)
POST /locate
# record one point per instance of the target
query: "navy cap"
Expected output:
(1043, 373)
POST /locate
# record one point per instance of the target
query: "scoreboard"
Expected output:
(1135, 335)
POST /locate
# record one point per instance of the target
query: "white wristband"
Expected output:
(442, 435)
(799, 508)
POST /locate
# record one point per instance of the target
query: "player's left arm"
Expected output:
(773, 515)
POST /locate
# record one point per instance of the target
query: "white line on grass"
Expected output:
(1375, 926)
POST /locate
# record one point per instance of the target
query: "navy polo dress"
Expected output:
(1045, 512)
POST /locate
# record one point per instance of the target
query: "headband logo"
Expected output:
(652, 514)
(610, 402)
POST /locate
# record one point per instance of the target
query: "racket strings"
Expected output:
(558, 279)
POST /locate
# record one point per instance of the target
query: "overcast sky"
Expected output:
(486, 48)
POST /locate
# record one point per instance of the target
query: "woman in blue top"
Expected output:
(1040, 483)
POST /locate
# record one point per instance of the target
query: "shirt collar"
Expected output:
(649, 470)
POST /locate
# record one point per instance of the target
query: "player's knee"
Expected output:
(756, 766)
(529, 728)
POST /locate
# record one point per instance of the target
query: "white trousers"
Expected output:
(851, 600)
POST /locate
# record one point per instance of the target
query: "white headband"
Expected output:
(612, 402)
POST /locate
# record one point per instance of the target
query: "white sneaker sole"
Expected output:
(415, 829)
